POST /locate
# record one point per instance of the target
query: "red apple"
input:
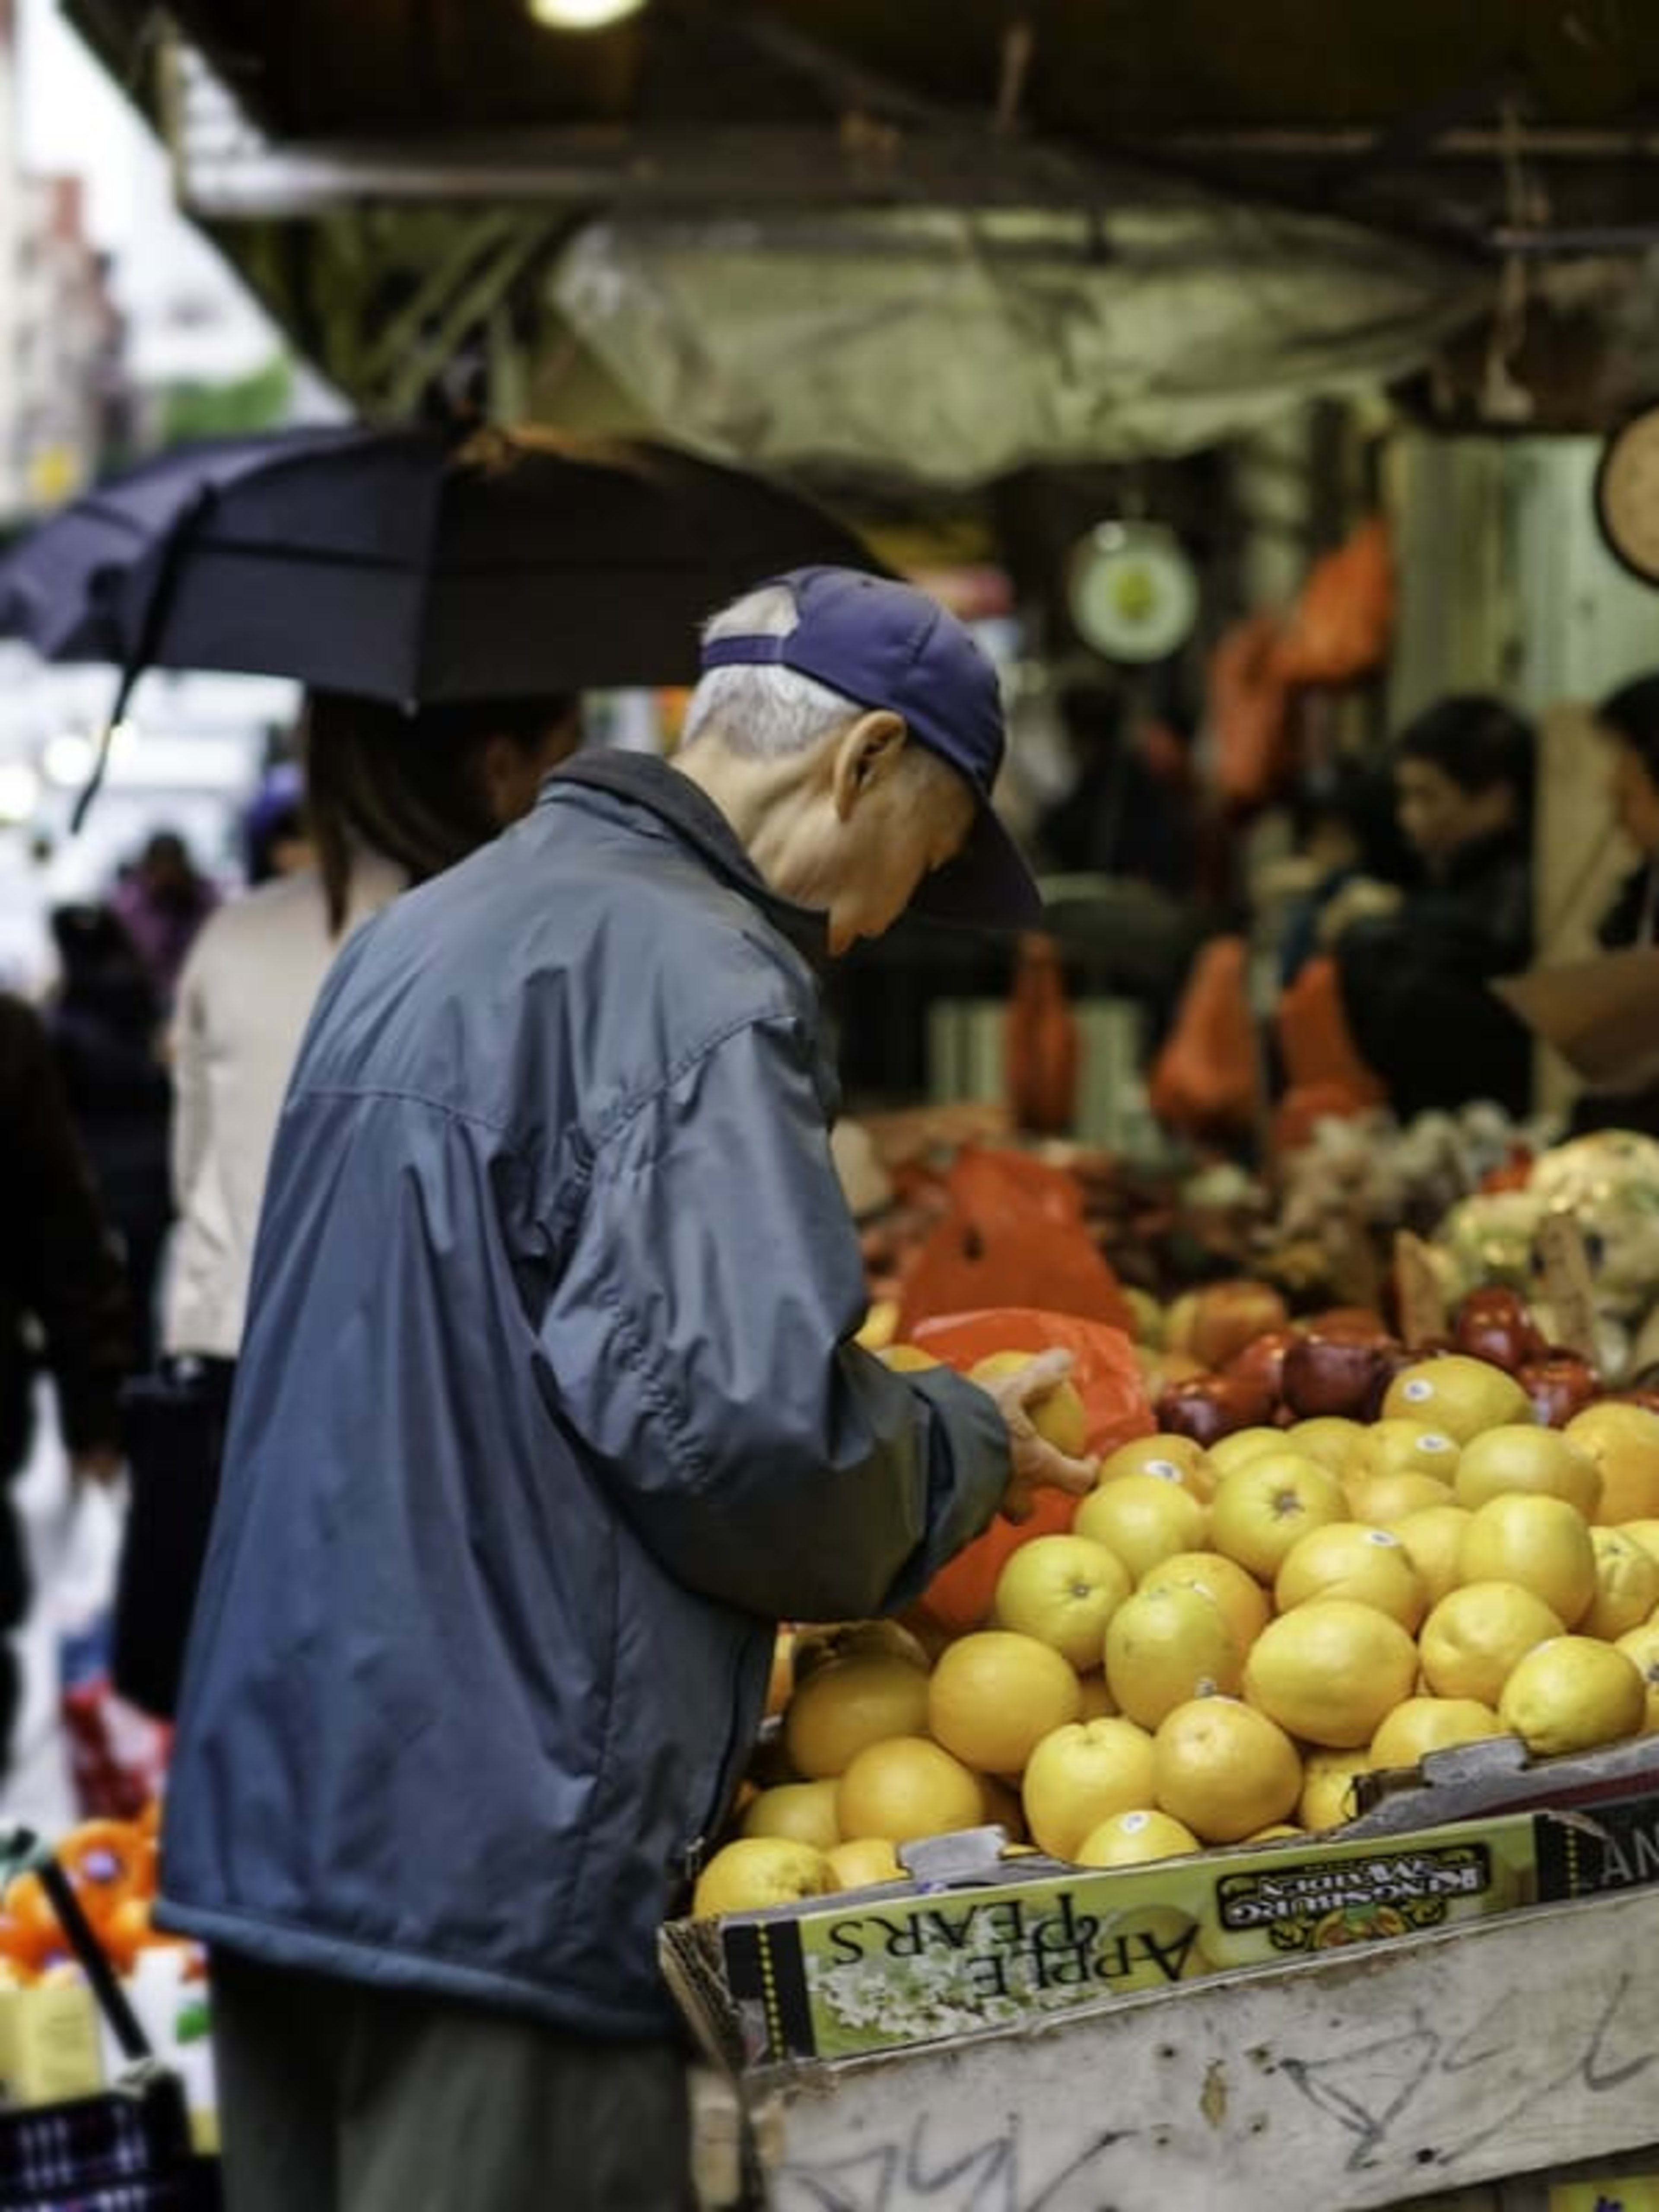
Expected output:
(1348, 1320)
(1228, 1316)
(1560, 1384)
(1263, 1361)
(1328, 1371)
(1210, 1406)
(1494, 1325)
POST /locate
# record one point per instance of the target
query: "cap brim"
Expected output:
(987, 886)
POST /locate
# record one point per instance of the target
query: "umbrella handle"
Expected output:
(143, 649)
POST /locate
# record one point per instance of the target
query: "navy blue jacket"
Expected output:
(547, 1410)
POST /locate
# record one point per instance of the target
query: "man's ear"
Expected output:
(870, 749)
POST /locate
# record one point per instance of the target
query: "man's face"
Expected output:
(882, 821)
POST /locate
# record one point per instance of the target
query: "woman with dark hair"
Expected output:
(1629, 720)
(1416, 966)
(391, 799)
(104, 1023)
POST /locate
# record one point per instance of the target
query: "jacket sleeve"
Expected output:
(698, 1339)
(69, 1274)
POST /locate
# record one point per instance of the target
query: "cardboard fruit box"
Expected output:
(976, 1944)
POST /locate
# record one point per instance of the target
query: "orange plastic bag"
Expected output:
(1014, 1234)
(1113, 1395)
(1342, 622)
(1249, 713)
(1207, 1080)
(1315, 1041)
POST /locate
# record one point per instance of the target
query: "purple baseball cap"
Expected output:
(883, 644)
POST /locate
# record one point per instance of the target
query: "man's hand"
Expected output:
(99, 1463)
(1038, 1464)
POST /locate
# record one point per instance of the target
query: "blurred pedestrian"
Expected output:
(161, 901)
(105, 1022)
(1629, 720)
(391, 799)
(277, 837)
(550, 1408)
(65, 1310)
(1416, 964)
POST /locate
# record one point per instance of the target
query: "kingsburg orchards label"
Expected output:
(877, 1973)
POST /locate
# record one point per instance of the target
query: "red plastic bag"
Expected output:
(1108, 1381)
(1014, 1234)
(1326, 1076)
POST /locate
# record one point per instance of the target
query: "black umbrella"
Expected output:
(409, 565)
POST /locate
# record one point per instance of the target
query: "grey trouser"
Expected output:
(337, 2097)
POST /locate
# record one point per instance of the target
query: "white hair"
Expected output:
(762, 708)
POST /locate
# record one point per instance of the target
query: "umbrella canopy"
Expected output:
(409, 566)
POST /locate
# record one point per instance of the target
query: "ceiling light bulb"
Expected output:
(582, 14)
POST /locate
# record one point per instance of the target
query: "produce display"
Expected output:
(111, 1866)
(1336, 1554)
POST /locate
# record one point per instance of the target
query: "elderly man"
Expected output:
(548, 1409)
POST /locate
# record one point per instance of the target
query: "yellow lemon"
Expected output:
(760, 1871)
(1263, 1507)
(1136, 1839)
(880, 1324)
(1522, 1457)
(803, 1811)
(1626, 1586)
(1573, 1693)
(1166, 1644)
(1080, 1776)
(1224, 1770)
(1063, 1590)
(1345, 1558)
(1459, 1397)
(1242, 1601)
(908, 1358)
(1433, 1538)
(1421, 1725)
(994, 1696)
(1476, 1637)
(1330, 1671)
(1541, 1543)
(848, 1703)
(1641, 1646)
(906, 1787)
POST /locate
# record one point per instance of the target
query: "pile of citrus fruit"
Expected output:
(111, 1868)
(1226, 1638)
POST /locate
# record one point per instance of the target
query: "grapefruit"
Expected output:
(1142, 1518)
(1166, 1644)
(1541, 1543)
(1476, 1637)
(1524, 1457)
(1626, 1586)
(905, 1788)
(1242, 1601)
(1345, 1559)
(1224, 1770)
(1136, 1839)
(1080, 1776)
(1059, 1416)
(757, 1872)
(1331, 1671)
(994, 1695)
(804, 1811)
(1623, 1441)
(1063, 1590)
(847, 1704)
(1573, 1693)
(1263, 1507)
(1421, 1725)
(1459, 1397)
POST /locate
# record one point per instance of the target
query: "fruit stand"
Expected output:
(1317, 1757)
(1441, 2064)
